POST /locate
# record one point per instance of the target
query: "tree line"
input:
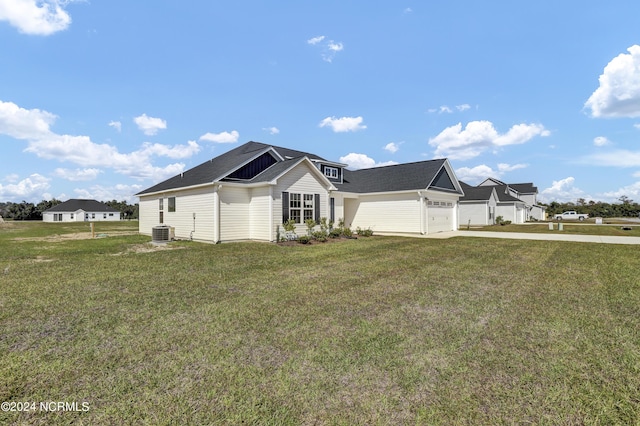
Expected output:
(625, 208)
(30, 211)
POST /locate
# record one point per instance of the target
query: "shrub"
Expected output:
(319, 236)
(499, 220)
(335, 233)
(304, 239)
(364, 232)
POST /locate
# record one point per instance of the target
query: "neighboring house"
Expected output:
(76, 210)
(492, 198)
(248, 192)
(478, 206)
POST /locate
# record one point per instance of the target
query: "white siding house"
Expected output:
(250, 191)
(77, 210)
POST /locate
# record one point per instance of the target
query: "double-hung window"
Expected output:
(295, 207)
(300, 207)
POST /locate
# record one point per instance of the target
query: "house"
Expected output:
(248, 192)
(76, 210)
(492, 198)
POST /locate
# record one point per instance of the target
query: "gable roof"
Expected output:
(504, 196)
(524, 188)
(476, 193)
(433, 174)
(74, 204)
(219, 167)
(399, 177)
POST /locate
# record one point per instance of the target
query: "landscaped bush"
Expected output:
(304, 239)
(364, 232)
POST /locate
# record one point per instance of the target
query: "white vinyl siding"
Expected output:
(474, 214)
(198, 201)
(384, 213)
(235, 213)
(299, 180)
(259, 219)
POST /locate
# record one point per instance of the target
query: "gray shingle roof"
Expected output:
(398, 177)
(74, 205)
(524, 188)
(476, 193)
(409, 176)
(222, 165)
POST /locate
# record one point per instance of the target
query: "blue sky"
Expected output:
(101, 99)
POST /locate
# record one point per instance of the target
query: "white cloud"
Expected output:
(329, 48)
(315, 40)
(362, 161)
(33, 126)
(272, 130)
(637, 126)
(23, 123)
(601, 141)
(335, 47)
(12, 178)
(474, 175)
(408, 10)
(632, 191)
(619, 92)
(77, 174)
(445, 109)
(36, 17)
(150, 125)
(343, 124)
(116, 125)
(392, 147)
(176, 151)
(478, 136)
(28, 188)
(118, 192)
(617, 158)
(222, 137)
(504, 168)
(562, 190)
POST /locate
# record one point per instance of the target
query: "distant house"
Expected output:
(76, 210)
(247, 193)
(515, 202)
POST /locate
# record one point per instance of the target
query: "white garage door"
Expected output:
(439, 216)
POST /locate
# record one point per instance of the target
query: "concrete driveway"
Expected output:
(557, 236)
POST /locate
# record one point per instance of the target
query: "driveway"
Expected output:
(606, 239)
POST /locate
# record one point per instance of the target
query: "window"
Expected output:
(161, 204)
(308, 207)
(57, 217)
(300, 207)
(104, 216)
(331, 172)
(172, 204)
(71, 216)
(93, 215)
(295, 208)
(110, 214)
(161, 218)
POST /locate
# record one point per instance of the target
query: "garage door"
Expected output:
(439, 216)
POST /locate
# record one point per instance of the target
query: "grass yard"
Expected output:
(568, 228)
(381, 330)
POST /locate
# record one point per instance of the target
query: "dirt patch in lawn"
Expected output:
(149, 248)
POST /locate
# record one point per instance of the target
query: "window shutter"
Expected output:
(332, 209)
(316, 207)
(285, 207)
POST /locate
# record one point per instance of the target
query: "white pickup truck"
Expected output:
(571, 215)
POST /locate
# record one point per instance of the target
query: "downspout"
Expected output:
(216, 213)
(423, 218)
(271, 237)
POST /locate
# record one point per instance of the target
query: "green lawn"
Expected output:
(380, 330)
(568, 228)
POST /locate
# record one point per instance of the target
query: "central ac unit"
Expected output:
(162, 234)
